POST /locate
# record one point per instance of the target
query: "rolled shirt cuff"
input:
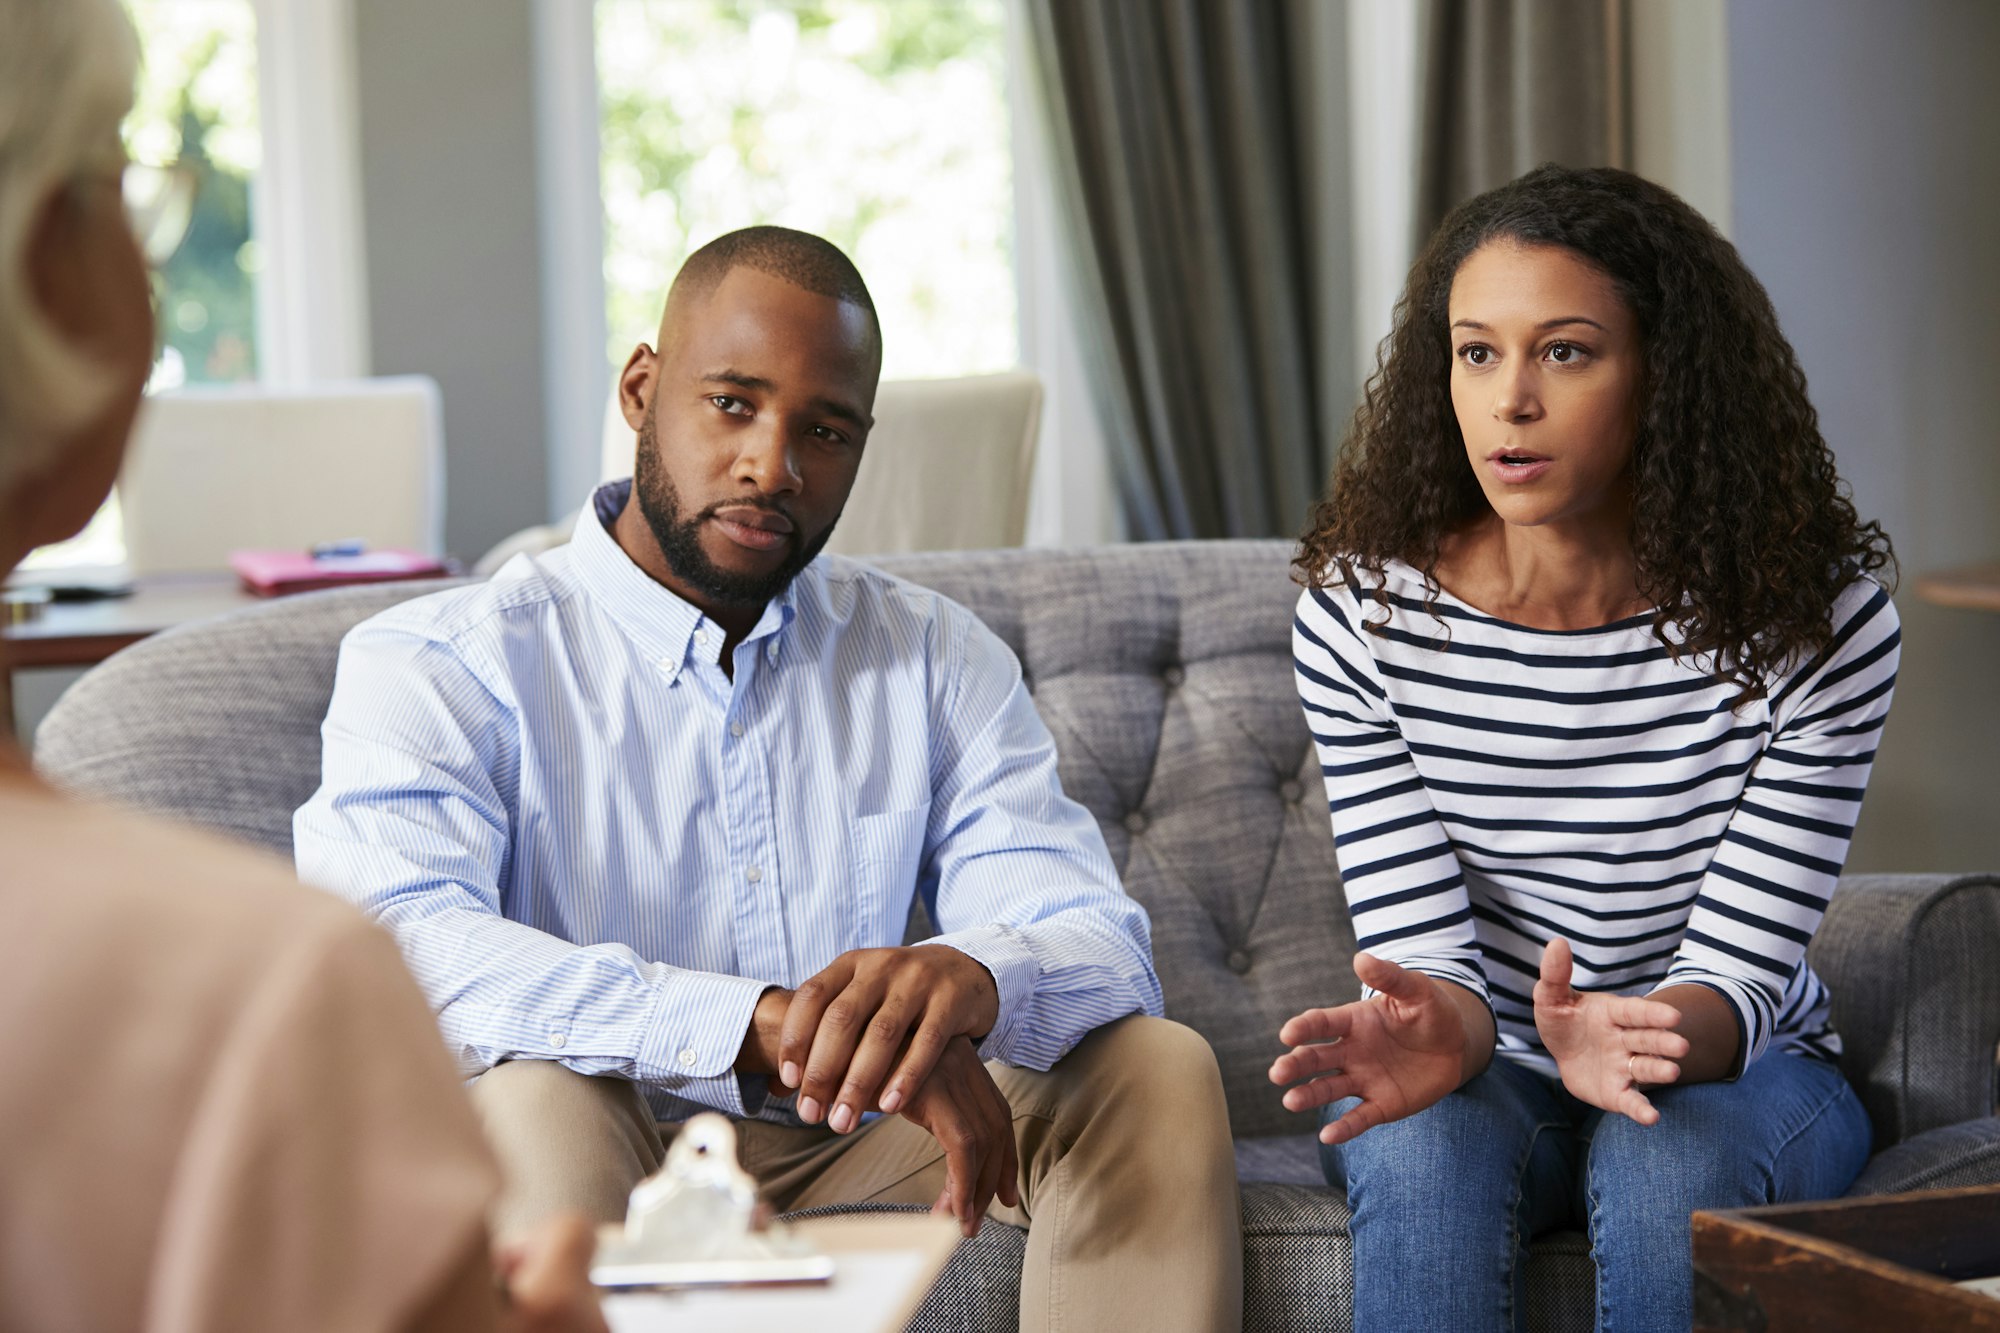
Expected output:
(696, 1033)
(1014, 969)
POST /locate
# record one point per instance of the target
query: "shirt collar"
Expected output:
(664, 627)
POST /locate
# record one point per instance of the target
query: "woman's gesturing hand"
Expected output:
(1606, 1046)
(1398, 1053)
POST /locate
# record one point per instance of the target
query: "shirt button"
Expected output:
(557, 1040)
(753, 874)
(687, 1058)
(701, 638)
(736, 728)
(771, 653)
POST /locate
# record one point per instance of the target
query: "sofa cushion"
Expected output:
(1164, 672)
(1949, 1157)
(1281, 1159)
(1297, 1269)
(1909, 960)
(217, 722)
(979, 1290)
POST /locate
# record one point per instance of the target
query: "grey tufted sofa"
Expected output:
(1164, 672)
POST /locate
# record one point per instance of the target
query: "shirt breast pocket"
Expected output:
(885, 852)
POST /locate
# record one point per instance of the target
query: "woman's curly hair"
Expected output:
(1743, 533)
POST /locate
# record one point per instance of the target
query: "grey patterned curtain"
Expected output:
(1201, 149)
(1511, 84)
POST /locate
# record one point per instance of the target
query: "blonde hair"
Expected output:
(66, 74)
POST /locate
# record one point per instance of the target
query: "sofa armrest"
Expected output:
(1911, 961)
(1951, 1157)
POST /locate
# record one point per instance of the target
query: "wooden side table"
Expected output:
(1973, 587)
(1883, 1262)
(78, 634)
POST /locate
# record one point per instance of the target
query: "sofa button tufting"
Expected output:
(1239, 962)
(1173, 675)
(1135, 822)
(1292, 791)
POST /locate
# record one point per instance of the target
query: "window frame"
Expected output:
(312, 293)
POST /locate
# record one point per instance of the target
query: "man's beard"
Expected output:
(679, 537)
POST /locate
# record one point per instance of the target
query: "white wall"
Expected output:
(1680, 100)
(1382, 74)
(1866, 142)
(446, 91)
(1072, 500)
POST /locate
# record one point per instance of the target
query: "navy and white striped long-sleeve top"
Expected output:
(1526, 784)
(594, 847)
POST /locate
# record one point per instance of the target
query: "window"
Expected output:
(879, 124)
(196, 113)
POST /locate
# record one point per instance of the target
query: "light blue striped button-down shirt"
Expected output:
(595, 847)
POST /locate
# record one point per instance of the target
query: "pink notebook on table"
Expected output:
(273, 573)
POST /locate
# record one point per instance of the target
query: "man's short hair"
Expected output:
(799, 257)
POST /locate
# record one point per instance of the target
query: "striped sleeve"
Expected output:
(1405, 892)
(1768, 883)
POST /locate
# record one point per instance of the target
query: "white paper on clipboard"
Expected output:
(884, 1265)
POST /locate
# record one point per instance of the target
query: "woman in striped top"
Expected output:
(1596, 664)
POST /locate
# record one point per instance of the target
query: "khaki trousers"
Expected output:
(1128, 1179)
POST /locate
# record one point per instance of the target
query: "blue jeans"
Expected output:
(1445, 1202)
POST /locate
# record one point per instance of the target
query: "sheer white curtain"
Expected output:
(312, 295)
(1072, 501)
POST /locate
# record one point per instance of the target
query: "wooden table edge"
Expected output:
(1980, 1311)
(1968, 587)
(73, 650)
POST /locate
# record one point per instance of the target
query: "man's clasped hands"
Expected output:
(897, 1031)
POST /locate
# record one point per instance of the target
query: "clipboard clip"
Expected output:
(695, 1223)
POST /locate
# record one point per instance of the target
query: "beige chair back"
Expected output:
(947, 467)
(221, 468)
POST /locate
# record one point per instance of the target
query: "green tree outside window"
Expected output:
(196, 110)
(879, 124)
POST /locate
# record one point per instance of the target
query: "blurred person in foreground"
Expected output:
(224, 1104)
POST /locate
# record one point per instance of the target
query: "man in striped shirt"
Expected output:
(648, 814)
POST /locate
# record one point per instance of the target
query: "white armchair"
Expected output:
(947, 468)
(218, 468)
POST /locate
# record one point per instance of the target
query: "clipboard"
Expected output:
(885, 1264)
(695, 1223)
(696, 1252)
